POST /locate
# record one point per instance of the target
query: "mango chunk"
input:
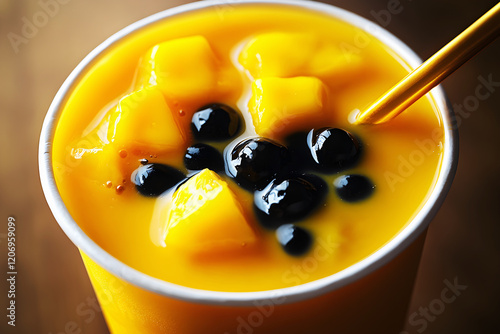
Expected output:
(95, 160)
(143, 121)
(287, 55)
(281, 105)
(183, 69)
(205, 217)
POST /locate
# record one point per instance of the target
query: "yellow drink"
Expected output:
(93, 170)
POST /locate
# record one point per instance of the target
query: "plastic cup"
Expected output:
(370, 296)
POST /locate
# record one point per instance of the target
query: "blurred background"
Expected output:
(463, 242)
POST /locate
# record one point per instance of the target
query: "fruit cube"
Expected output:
(288, 55)
(96, 160)
(183, 69)
(195, 222)
(281, 105)
(143, 121)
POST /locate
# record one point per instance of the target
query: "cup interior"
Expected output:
(291, 294)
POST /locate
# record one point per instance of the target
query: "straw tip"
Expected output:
(353, 116)
(358, 117)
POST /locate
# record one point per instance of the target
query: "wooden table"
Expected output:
(53, 293)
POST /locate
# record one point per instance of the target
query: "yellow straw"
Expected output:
(434, 70)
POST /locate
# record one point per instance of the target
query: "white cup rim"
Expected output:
(287, 295)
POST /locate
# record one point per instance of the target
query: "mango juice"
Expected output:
(284, 71)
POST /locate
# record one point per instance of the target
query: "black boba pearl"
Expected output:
(295, 240)
(200, 156)
(253, 163)
(318, 183)
(154, 179)
(288, 200)
(299, 150)
(333, 149)
(353, 188)
(215, 122)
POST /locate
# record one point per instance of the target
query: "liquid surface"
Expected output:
(401, 158)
